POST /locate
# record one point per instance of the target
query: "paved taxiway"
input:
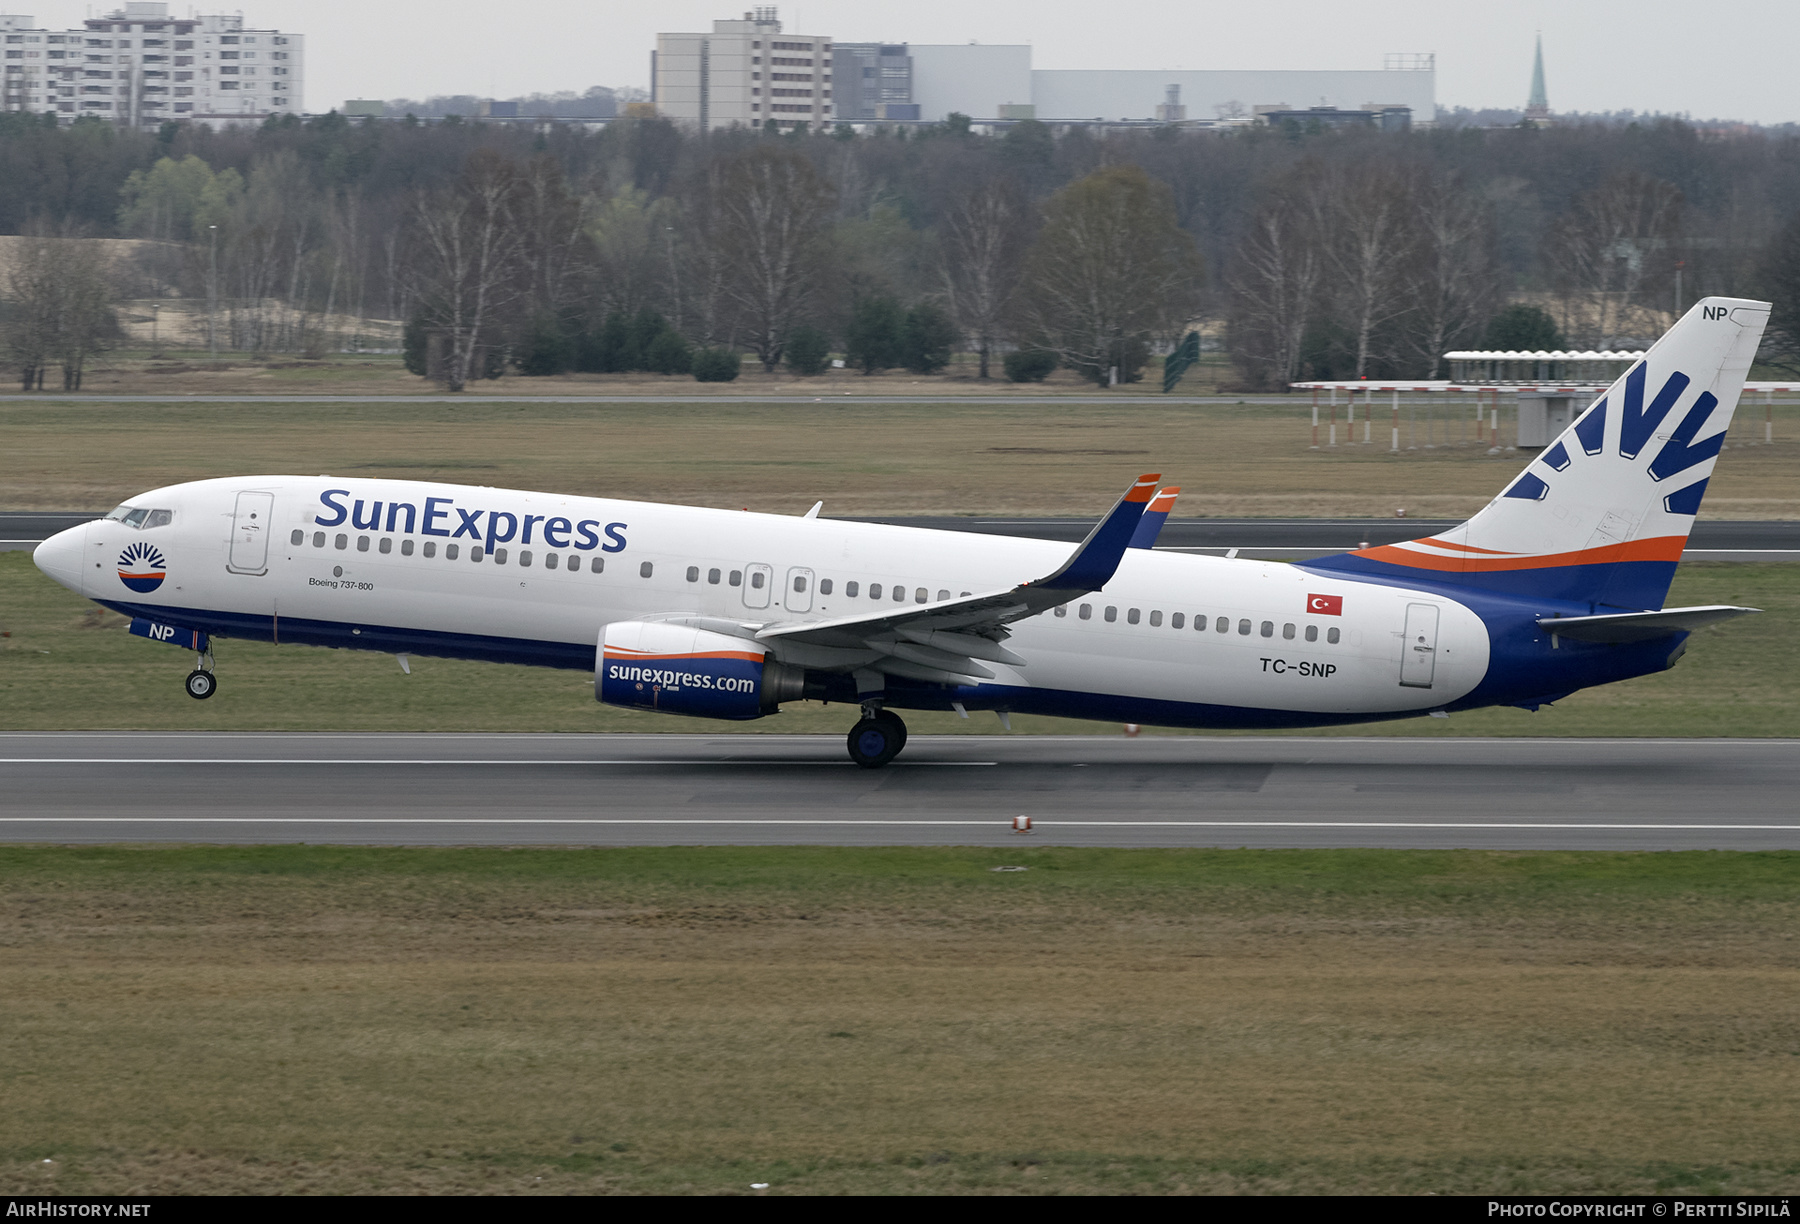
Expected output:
(963, 790)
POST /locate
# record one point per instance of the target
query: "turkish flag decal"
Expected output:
(1325, 605)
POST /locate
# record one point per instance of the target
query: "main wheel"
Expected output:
(874, 742)
(201, 685)
(889, 716)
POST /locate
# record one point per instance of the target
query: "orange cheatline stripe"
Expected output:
(626, 654)
(1662, 548)
(1439, 542)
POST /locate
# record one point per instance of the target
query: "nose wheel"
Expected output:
(877, 739)
(201, 682)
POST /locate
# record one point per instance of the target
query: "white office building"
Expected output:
(745, 73)
(138, 66)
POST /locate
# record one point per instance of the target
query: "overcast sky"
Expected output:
(1733, 61)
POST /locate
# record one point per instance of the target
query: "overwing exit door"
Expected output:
(758, 584)
(1418, 651)
(250, 534)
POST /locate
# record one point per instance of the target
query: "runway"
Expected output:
(1273, 539)
(419, 789)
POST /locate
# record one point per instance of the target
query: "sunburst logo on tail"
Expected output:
(142, 568)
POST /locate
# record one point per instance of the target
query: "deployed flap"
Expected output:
(1089, 568)
(1151, 525)
(1639, 626)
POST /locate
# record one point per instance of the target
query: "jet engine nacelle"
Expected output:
(650, 665)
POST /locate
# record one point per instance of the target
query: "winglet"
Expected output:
(1151, 525)
(1094, 563)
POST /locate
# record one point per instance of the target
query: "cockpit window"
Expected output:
(141, 518)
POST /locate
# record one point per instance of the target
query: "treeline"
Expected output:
(1307, 253)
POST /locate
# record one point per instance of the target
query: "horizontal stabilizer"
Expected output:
(1639, 626)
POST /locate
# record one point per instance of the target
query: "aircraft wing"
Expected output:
(943, 640)
(1151, 525)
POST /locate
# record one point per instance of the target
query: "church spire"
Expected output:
(1538, 107)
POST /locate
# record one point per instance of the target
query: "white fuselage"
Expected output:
(536, 595)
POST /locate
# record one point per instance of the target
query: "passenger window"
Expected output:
(648, 568)
(1155, 619)
(1177, 620)
(451, 551)
(824, 586)
(737, 576)
(499, 556)
(850, 590)
(1287, 632)
(318, 539)
(899, 593)
(1132, 616)
(1061, 610)
(799, 582)
(343, 541)
(966, 594)
(597, 565)
(756, 579)
(1244, 628)
(474, 552)
(874, 590)
(943, 594)
(1112, 614)
(1087, 611)
(1312, 633)
(362, 543)
(549, 560)
(299, 537)
(693, 573)
(1223, 624)
(406, 548)
(921, 596)
(387, 545)
(1268, 628)
(524, 558)
(431, 548)
(1331, 636)
(712, 577)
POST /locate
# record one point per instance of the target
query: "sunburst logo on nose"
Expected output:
(142, 568)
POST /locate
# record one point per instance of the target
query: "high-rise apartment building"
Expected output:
(139, 66)
(746, 73)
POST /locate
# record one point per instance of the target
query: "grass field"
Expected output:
(309, 1019)
(980, 457)
(67, 664)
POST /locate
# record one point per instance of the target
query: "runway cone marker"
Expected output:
(1021, 824)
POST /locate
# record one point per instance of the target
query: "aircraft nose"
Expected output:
(61, 556)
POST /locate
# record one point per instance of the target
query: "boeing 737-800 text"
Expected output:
(1557, 585)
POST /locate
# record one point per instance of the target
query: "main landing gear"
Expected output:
(877, 739)
(201, 683)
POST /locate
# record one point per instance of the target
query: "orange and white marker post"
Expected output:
(1021, 824)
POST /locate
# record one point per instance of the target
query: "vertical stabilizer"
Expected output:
(1602, 514)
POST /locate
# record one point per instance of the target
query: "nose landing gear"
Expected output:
(877, 738)
(201, 683)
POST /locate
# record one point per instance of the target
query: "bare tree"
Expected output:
(465, 260)
(1452, 279)
(983, 240)
(1608, 254)
(552, 221)
(768, 210)
(60, 308)
(1109, 272)
(1364, 219)
(1274, 286)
